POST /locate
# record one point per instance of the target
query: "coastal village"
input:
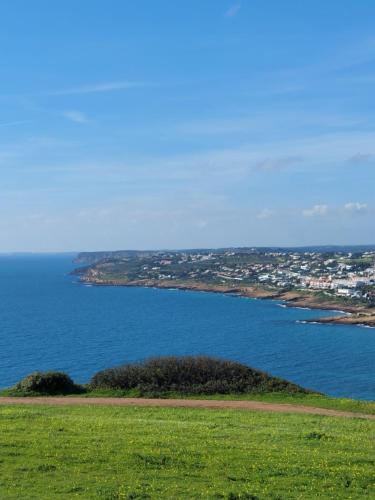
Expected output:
(340, 274)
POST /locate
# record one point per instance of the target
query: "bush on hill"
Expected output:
(190, 375)
(48, 383)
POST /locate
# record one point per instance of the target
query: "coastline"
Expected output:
(353, 315)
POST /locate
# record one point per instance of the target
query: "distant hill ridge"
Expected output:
(93, 257)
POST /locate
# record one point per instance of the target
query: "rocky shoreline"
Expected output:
(355, 315)
(361, 319)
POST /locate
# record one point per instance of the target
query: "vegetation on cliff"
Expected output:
(190, 375)
(194, 375)
(48, 383)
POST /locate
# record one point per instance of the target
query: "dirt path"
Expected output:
(182, 403)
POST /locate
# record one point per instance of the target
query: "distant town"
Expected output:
(336, 274)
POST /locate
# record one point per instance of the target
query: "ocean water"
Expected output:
(50, 321)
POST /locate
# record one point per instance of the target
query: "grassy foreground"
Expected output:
(133, 453)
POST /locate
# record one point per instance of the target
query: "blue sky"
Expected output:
(164, 124)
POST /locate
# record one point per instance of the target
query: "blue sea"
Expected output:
(50, 321)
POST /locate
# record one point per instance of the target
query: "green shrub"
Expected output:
(190, 375)
(48, 383)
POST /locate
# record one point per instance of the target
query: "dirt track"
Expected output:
(182, 403)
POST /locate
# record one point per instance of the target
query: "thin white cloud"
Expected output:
(272, 164)
(233, 10)
(265, 214)
(75, 116)
(11, 124)
(360, 158)
(201, 224)
(356, 207)
(99, 87)
(316, 210)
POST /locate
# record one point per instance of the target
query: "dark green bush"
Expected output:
(190, 375)
(48, 383)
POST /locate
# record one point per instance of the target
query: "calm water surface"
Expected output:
(49, 321)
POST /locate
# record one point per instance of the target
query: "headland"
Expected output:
(337, 280)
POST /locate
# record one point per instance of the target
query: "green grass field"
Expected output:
(137, 453)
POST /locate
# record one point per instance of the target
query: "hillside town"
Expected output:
(340, 274)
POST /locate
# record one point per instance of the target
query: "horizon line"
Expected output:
(281, 247)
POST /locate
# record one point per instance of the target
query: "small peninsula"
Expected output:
(329, 278)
